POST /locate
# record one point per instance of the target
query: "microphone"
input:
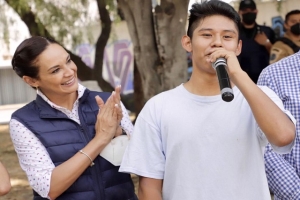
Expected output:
(224, 81)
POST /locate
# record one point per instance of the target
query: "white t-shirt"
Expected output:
(202, 147)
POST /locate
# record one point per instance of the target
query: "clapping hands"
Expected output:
(109, 116)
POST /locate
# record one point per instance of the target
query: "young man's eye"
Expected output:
(206, 35)
(227, 36)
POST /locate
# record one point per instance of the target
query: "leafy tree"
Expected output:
(57, 19)
(160, 61)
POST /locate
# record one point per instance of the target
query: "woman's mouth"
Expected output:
(69, 82)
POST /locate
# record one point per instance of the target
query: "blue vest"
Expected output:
(63, 138)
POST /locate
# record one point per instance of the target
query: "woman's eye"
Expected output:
(55, 71)
(69, 60)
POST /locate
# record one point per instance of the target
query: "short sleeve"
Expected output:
(272, 95)
(144, 155)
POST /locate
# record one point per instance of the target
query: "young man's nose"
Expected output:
(217, 42)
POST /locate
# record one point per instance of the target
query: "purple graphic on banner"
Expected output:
(118, 62)
(87, 54)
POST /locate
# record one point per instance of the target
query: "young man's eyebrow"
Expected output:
(231, 31)
(210, 29)
(205, 29)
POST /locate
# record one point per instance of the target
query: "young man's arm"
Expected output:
(150, 188)
(275, 124)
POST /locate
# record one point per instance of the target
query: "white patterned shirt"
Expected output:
(33, 156)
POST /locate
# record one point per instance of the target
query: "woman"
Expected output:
(58, 137)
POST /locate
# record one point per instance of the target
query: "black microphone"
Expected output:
(224, 81)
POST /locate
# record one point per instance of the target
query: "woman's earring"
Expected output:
(37, 89)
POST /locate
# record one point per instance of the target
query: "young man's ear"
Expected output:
(239, 48)
(30, 81)
(186, 43)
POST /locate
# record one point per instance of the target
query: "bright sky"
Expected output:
(193, 1)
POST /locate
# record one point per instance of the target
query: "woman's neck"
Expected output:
(66, 101)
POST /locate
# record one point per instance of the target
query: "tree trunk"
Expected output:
(138, 91)
(160, 58)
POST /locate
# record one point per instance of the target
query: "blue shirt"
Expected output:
(283, 171)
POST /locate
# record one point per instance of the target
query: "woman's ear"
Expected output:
(186, 43)
(30, 81)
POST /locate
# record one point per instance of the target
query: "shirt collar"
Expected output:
(80, 91)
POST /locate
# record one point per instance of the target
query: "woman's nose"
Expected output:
(68, 71)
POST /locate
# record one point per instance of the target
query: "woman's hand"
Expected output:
(109, 116)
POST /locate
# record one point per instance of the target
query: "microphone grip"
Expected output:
(224, 81)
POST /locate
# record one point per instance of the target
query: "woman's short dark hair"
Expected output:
(24, 59)
(199, 11)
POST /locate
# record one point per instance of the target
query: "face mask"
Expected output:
(295, 29)
(249, 18)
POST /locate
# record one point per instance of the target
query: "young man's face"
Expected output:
(212, 32)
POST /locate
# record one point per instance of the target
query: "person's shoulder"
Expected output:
(265, 27)
(161, 99)
(278, 51)
(164, 96)
(291, 59)
(267, 30)
(25, 111)
(285, 64)
(26, 107)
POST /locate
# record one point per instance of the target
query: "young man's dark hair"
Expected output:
(209, 8)
(293, 12)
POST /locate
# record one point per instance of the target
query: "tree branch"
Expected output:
(100, 45)
(35, 27)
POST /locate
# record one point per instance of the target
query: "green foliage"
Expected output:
(70, 22)
(278, 5)
(67, 21)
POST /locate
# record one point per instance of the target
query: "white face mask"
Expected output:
(114, 151)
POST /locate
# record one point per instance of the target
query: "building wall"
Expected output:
(268, 9)
(13, 90)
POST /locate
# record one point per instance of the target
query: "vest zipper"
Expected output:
(99, 192)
